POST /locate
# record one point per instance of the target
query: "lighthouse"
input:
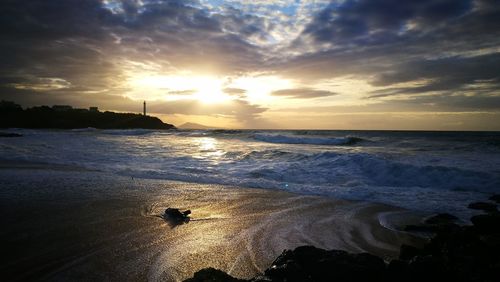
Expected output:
(144, 107)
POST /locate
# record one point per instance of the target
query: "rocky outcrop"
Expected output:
(454, 253)
(488, 207)
(9, 134)
(212, 275)
(69, 118)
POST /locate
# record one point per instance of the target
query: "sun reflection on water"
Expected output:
(208, 148)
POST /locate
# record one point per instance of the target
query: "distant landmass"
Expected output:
(192, 125)
(67, 117)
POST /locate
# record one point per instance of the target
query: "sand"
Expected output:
(69, 224)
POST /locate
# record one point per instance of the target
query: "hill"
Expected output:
(66, 117)
(192, 125)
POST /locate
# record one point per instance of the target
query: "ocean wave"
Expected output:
(285, 139)
(227, 131)
(128, 132)
(86, 129)
(259, 155)
(119, 132)
(412, 171)
(330, 169)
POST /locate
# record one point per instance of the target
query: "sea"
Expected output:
(420, 171)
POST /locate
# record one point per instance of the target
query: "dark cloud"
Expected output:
(302, 93)
(368, 18)
(55, 19)
(84, 41)
(86, 47)
(475, 75)
(439, 47)
(71, 51)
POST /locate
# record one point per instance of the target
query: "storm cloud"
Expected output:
(424, 52)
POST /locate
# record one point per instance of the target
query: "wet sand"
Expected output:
(61, 224)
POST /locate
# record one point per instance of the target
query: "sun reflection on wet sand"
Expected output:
(118, 229)
(241, 231)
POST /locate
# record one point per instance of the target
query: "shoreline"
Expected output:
(238, 230)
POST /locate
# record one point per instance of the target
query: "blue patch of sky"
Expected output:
(289, 8)
(113, 6)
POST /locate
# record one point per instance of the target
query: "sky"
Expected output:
(341, 64)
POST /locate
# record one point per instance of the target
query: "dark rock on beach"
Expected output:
(423, 228)
(176, 215)
(212, 274)
(488, 207)
(495, 198)
(408, 252)
(433, 224)
(487, 223)
(454, 253)
(308, 263)
(8, 134)
(442, 218)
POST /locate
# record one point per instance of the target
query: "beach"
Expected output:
(64, 223)
(89, 204)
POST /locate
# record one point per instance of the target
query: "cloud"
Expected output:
(475, 75)
(426, 52)
(238, 109)
(241, 110)
(376, 18)
(302, 93)
(235, 92)
(182, 92)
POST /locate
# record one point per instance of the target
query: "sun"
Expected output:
(205, 89)
(210, 91)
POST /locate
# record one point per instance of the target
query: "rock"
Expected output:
(407, 252)
(370, 263)
(454, 253)
(261, 278)
(495, 198)
(486, 223)
(287, 271)
(488, 207)
(295, 265)
(430, 228)
(452, 241)
(69, 118)
(397, 270)
(425, 268)
(8, 134)
(442, 218)
(419, 228)
(175, 215)
(212, 274)
(348, 267)
(312, 264)
(492, 241)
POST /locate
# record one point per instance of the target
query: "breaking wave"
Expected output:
(418, 170)
(285, 139)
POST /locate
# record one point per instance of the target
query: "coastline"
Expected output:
(81, 225)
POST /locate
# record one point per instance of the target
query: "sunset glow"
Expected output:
(195, 140)
(244, 63)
